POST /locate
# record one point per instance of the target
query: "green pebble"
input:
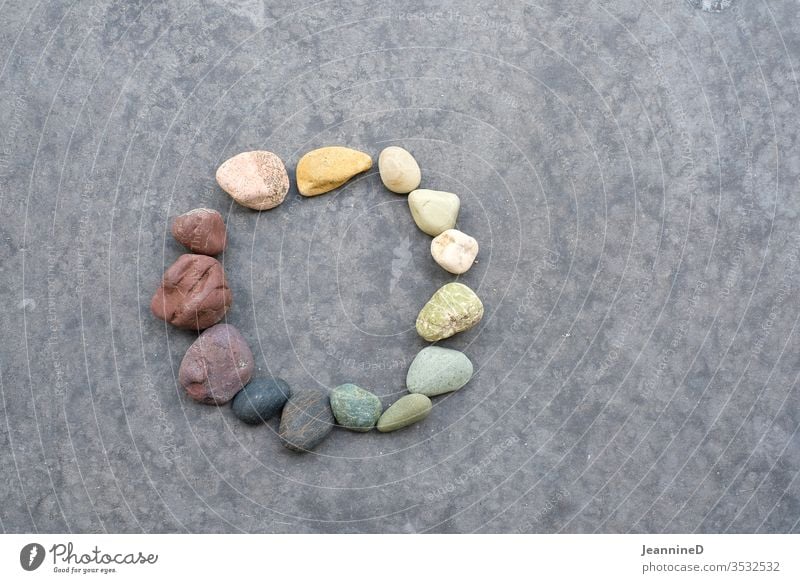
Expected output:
(405, 411)
(434, 211)
(452, 309)
(355, 408)
(437, 370)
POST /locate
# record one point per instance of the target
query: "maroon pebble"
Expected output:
(216, 366)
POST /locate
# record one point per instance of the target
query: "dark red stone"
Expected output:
(202, 230)
(193, 294)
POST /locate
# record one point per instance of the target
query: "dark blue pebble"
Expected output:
(261, 400)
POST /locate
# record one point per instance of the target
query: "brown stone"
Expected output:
(201, 230)
(193, 294)
(216, 366)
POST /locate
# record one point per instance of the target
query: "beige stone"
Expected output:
(257, 179)
(399, 170)
(454, 251)
(326, 169)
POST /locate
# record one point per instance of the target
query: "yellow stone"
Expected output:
(325, 169)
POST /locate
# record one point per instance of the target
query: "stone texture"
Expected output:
(326, 169)
(216, 366)
(399, 170)
(257, 179)
(355, 408)
(436, 370)
(454, 251)
(261, 400)
(202, 230)
(193, 294)
(406, 411)
(306, 420)
(452, 309)
(434, 211)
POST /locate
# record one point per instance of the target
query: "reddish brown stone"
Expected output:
(201, 230)
(193, 294)
(216, 366)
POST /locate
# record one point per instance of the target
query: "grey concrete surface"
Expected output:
(632, 173)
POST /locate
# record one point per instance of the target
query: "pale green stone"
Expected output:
(452, 309)
(437, 370)
(434, 211)
(405, 411)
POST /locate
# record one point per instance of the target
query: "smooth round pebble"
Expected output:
(257, 179)
(452, 309)
(216, 366)
(261, 400)
(405, 411)
(325, 169)
(201, 230)
(436, 370)
(193, 293)
(454, 251)
(399, 170)
(306, 420)
(434, 211)
(355, 408)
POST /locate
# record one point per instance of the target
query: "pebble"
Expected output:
(325, 169)
(452, 309)
(306, 420)
(261, 400)
(355, 408)
(201, 230)
(454, 251)
(257, 179)
(405, 411)
(434, 211)
(216, 366)
(193, 294)
(437, 370)
(399, 171)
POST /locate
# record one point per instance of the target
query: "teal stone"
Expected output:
(437, 370)
(355, 408)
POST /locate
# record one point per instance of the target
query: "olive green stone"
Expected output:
(452, 309)
(405, 411)
(434, 211)
(355, 408)
(437, 370)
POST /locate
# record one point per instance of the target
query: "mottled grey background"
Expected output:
(631, 171)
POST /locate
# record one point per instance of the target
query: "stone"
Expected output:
(216, 366)
(405, 411)
(452, 309)
(454, 251)
(355, 408)
(434, 211)
(436, 370)
(325, 169)
(201, 230)
(257, 180)
(193, 294)
(399, 171)
(306, 420)
(261, 400)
